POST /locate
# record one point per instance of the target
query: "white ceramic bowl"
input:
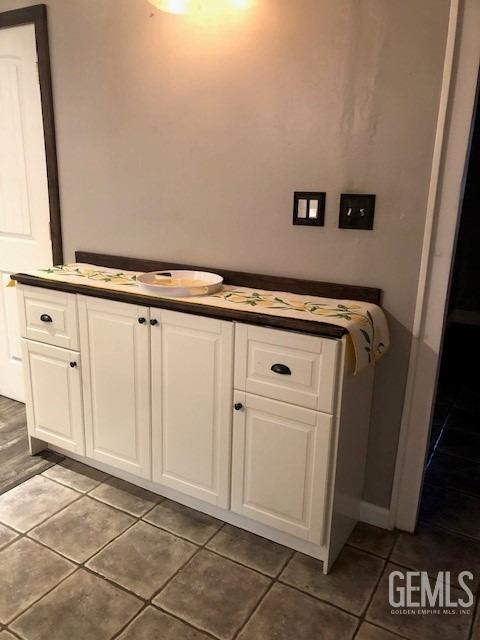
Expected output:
(180, 283)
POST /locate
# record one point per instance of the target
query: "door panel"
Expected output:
(115, 347)
(54, 396)
(281, 457)
(192, 371)
(11, 370)
(24, 203)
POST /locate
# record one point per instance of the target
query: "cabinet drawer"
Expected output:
(291, 367)
(49, 316)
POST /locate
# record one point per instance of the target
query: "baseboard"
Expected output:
(375, 515)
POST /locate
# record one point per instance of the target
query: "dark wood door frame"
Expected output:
(37, 15)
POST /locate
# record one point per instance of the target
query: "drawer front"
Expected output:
(291, 367)
(49, 316)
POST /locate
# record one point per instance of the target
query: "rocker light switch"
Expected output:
(356, 211)
(309, 208)
(302, 208)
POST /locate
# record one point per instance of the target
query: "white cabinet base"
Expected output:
(158, 401)
(309, 549)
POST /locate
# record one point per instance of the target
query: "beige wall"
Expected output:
(184, 143)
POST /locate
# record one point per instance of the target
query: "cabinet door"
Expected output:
(281, 465)
(54, 395)
(114, 337)
(192, 379)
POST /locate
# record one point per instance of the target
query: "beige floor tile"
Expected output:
(476, 625)
(433, 550)
(27, 572)
(372, 539)
(76, 475)
(82, 528)
(6, 535)
(142, 559)
(286, 614)
(183, 521)
(83, 607)
(349, 584)
(6, 635)
(153, 624)
(33, 501)
(213, 594)
(125, 496)
(251, 550)
(369, 632)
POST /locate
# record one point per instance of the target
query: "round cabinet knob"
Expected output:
(46, 318)
(238, 406)
(142, 320)
(153, 322)
(73, 364)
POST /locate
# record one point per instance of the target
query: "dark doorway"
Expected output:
(451, 496)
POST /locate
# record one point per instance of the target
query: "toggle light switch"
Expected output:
(309, 208)
(356, 211)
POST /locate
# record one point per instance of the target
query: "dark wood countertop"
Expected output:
(260, 281)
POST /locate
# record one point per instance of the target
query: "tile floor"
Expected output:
(86, 556)
(16, 464)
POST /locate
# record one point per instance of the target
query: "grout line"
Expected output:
(32, 604)
(363, 618)
(24, 533)
(31, 473)
(149, 601)
(455, 534)
(127, 624)
(184, 565)
(254, 610)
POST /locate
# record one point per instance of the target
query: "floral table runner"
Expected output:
(365, 322)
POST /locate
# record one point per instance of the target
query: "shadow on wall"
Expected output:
(389, 391)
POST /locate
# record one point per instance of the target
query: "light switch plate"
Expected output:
(356, 211)
(309, 208)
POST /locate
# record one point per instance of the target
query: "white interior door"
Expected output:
(24, 205)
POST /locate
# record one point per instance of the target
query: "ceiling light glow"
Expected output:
(203, 9)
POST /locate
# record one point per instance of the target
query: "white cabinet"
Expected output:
(153, 397)
(115, 345)
(192, 381)
(280, 469)
(54, 395)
